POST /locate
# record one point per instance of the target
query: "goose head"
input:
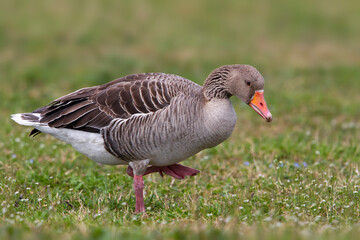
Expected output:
(242, 81)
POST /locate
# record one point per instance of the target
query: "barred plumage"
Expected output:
(90, 109)
(148, 115)
(152, 119)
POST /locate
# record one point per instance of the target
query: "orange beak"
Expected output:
(259, 105)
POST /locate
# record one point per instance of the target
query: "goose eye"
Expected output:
(248, 83)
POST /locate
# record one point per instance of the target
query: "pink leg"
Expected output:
(176, 171)
(139, 187)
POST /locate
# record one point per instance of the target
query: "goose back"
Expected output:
(90, 109)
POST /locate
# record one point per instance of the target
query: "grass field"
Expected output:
(296, 178)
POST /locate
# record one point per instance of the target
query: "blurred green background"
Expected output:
(308, 52)
(48, 49)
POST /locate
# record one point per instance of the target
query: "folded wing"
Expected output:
(90, 109)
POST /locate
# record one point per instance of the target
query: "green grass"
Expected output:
(296, 178)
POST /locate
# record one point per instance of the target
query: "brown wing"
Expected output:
(90, 109)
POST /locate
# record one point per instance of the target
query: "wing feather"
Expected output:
(91, 109)
(65, 110)
(71, 117)
(86, 118)
(146, 97)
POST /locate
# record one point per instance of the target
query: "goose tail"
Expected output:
(27, 119)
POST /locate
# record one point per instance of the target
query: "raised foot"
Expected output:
(177, 171)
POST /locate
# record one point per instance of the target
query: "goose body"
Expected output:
(151, 119)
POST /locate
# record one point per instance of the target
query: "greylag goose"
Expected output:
(150, 121)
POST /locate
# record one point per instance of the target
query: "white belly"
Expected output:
(89, 144)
